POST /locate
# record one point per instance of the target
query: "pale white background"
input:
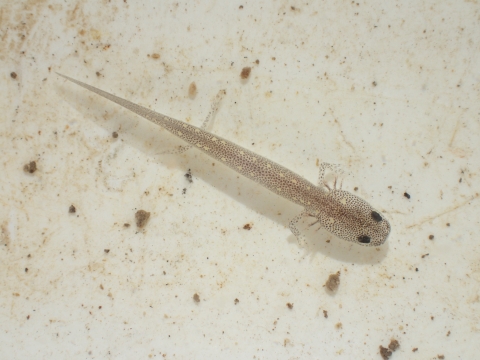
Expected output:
(390, 90)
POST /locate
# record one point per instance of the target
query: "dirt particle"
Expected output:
(245, 74)
(106, 251)
(189, 176)
(414, 349)
(141, 218)
(28, 317)
(448, 333)
(101, 286)
(394, 345)
(333, 282)
(26, 270)
(98, 74)
(431, 237)
(325, 314)
(126, 225)
(192, 89)
(114, 134)
(425, 255)
(290, 306)
(257, 61)
(407, 195)
(241, 7)
(247, 227)
(374, 83)
(72, 209)
(196, 298)
(236, 301)
(385, 353)
(31, 167)
(338, 326)
(441, 357)
(13, 75)
(155, 56)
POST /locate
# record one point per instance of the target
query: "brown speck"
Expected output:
(431, 237)
(441, 357)
(98, 74)
(114, 134)
(414, 349)
(338, 326)
(448, 224)
(325, 314)
(374, 83)
(286, 342)
(290, 306)
(28, 317)
(106, 251)
(184, 191)
(236, 301)
(355, 188)
(155, 56)
(196, 298)
(385, 353)
(72, 209)
(394, 345)
(141, 218)
(101, 286)
(126, 225)
(100, 307)
(192, 89)
(188, 175)
(245, 72)
(407, 195)
(432, 317)
(247, 227)
(448, 333)
(13, 75)
(31, 167)
(257, 61)
(423, 256)
(240, 7)
(333, 282)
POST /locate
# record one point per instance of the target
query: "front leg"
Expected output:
(293, 226)
(335, 169)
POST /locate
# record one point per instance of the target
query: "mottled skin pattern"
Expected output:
(340, 212)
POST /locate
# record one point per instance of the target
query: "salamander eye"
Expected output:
(376, 216)
(364, 239)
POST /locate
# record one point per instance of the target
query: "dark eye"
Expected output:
(376, 216)
(364, 239)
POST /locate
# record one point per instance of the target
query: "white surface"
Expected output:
(311, 98)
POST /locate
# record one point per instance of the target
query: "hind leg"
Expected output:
(211, 114)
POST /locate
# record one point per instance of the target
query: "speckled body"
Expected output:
(340, 212)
